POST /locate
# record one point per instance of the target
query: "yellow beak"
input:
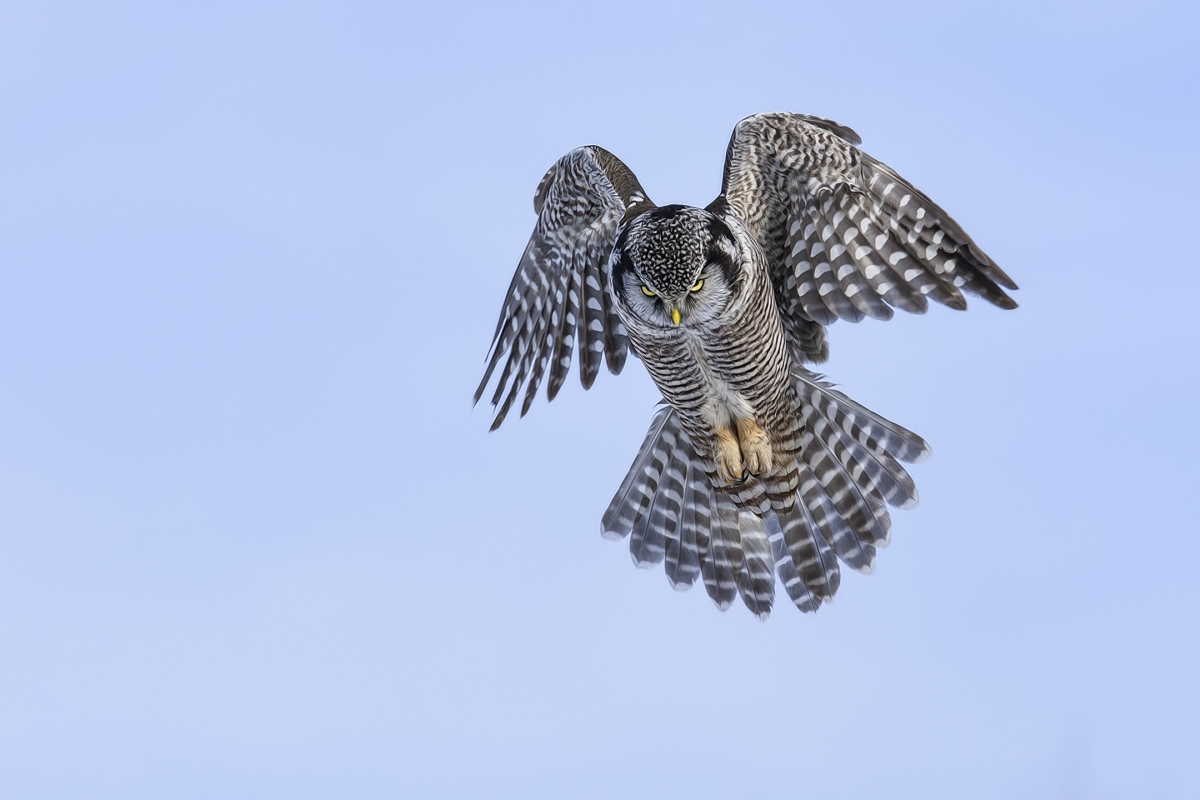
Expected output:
(675, 315)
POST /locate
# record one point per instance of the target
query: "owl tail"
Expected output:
(849, 472)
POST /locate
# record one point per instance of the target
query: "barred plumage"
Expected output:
(754, 466)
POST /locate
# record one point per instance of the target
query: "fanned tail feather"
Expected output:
(870, 430)
(659, 523)
(725, 553)
(756, 578)
(851, 519)
(848, 473)
(813, 558)
(683, 560)
(641, 482)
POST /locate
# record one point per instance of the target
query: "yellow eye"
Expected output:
(697, 286)
(646, 291)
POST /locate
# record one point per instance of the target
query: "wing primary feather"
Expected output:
(561, 363)
(616, 341)
(519, 353)
(876, 171)
(494, 356)
(592, 340)
(512, 320)
(536, 326)
(557, 299)
(548, 330)
(933, 237)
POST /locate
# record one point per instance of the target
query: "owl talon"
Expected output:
(743, 455)
(729, 456)
(755, 446)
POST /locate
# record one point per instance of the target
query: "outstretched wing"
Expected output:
(845, 236)
(560, 289)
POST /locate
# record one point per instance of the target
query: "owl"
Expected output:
(754, 467)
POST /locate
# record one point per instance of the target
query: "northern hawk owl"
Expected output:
(753, 466)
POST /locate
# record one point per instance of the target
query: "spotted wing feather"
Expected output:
(845, 236)
(557, 298)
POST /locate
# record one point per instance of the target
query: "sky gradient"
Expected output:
(255, 542)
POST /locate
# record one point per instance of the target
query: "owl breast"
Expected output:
(730, 375)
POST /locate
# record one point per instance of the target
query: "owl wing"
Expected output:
(845, 236)
(560, 289)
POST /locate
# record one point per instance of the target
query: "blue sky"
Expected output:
(255, 542)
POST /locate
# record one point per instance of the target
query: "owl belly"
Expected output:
(723, 404)
(741, 439)
(742, 423)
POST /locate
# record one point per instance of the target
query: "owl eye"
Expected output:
(697, 286)
(646, 291)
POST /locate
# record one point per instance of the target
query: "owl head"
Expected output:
(676, 266)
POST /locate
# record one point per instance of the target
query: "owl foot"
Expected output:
(748, 452)
(729, 456)
(756, 447)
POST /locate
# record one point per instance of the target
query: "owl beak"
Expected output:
(675, 315)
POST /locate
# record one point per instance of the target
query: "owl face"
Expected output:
(676, 266)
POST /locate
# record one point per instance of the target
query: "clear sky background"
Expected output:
(255, 542)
